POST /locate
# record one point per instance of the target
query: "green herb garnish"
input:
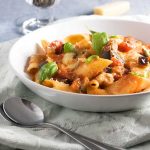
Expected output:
(145, 75)
(47, 71)
(92, 32)
(99, 40)
(114, 36)
(68, 47)
(90, 58)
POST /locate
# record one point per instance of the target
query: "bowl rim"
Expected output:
(61, 21)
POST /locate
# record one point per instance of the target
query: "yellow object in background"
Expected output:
(112, 9)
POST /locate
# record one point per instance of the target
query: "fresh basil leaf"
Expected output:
(90, 58)
(53, 70)
(99, 40)
(47, 71)
(68, 47)
(43, 75)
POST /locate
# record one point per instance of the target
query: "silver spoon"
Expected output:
(26, 114)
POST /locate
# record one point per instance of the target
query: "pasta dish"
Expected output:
(94, 63)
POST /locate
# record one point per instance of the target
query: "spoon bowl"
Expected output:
(25, 112)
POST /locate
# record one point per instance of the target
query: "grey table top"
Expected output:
(10, 10)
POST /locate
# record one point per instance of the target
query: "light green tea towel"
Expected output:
(124, 129)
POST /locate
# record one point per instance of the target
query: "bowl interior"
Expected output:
(27, 45)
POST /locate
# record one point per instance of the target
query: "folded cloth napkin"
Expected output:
(123, 129)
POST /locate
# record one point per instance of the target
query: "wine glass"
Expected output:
(45, 16)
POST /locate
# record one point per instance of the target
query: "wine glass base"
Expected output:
(25, 27)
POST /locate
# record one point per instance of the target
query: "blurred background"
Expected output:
(11, 10)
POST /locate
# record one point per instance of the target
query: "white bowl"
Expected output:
(85, 102)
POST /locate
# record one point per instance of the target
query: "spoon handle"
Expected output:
(88, 143)
(105, 145)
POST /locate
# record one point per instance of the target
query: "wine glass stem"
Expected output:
(45, 15)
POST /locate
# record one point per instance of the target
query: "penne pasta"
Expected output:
(128, 84)
(92, 69)
(92, 64)
(96, 91)
(56, 85)
(94, 84)
(33, 63)
(75, 38)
